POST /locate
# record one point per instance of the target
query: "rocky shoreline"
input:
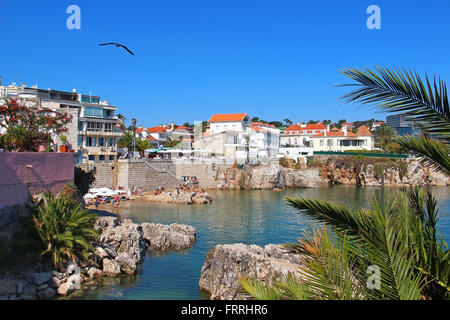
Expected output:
(226, 264)
(120, 247)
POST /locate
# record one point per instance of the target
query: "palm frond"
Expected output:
(403, 92)
(432, 152)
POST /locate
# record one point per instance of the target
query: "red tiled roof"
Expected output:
(156, 129)
(335, 134)
(183, 127)
(295, 127)
(139, 130)
(228, 117)
(363, 131)
(151, 138)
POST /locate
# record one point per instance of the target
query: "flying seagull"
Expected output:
(117, 45)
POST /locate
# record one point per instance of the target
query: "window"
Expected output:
(108, 127)
(101, 142)
(111, 142)
(101, 157)
(330, 142)
(321, 142)
(111, 158)
(91, 141)
(94, 126)
(93, 112)
(235, 140)
(91, 157)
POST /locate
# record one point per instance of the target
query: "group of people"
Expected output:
(135, 191)
(188, 183)
(158, 190)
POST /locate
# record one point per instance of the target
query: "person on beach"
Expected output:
(96, 204)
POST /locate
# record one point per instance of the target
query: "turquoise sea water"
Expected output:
(251, 217)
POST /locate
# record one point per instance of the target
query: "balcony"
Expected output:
(114, 133)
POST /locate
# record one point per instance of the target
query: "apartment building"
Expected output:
(94, 129)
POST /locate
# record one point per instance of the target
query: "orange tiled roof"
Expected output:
(335, 134)
(156, 129)
(363, 131)
(316, 126)
(229, 117)
(151, 138)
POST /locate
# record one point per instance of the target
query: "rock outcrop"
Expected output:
(371, 171)
(267, 177)
(181, 197)
(163, 237)
(226, 264)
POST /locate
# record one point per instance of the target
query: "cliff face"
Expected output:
(351, 170)
(376, 171)
(267, 177)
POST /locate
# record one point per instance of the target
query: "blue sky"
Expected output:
(272, 59)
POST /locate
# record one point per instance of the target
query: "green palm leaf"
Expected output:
(432, 153)
(403, 92)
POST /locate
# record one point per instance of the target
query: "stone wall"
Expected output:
(133, 173)
(24, 174)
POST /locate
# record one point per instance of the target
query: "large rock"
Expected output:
(226, 264)
(267, 177)
(180, 197)
(125, 237)
(111, 268)
(126, 264)
(164, 237)
(41, 277)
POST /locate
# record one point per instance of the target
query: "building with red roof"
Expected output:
(343, 140)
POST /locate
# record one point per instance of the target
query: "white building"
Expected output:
(233, 137)
(343, 140)
(94, 129)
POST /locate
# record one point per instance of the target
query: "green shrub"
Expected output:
(65, 230)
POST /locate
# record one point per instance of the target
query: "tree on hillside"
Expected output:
(287, 122)
(277, 124)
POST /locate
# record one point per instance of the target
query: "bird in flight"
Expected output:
(117, 45)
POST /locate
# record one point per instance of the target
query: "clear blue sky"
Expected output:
(272, 59)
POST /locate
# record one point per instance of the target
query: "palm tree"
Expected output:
(126, 141)
(142, 145)
(385, 134)
(65, 230)
(121, 118)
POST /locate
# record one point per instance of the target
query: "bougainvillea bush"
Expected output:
(29, 126)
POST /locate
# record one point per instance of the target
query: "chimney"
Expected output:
(172, 126)
(344, 128)
(328, 127)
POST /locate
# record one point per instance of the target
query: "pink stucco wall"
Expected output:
(23, 174)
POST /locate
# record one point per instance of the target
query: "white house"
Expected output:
(343, 140)
(229, 122)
